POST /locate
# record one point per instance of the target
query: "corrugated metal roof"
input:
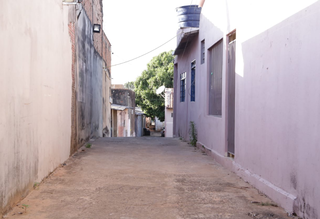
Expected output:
(139, 111)
(118, 107)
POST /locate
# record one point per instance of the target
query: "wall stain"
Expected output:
(304, 209)
(293, 180)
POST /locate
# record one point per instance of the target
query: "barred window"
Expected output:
(182, 86)
(193, 81)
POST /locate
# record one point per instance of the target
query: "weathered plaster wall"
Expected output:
(123, 121)
(90, 80)
(106, 86)
(139, 125)
(125, 97)
(94, 12)
(35, 94)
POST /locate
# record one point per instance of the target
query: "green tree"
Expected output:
(159, 72)
(129, 85)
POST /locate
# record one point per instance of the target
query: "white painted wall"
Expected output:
(158, 124)
(35, 94)
(169, 122)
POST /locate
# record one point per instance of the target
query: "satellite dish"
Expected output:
(160, 89)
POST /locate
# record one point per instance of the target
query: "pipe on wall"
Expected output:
(201, 3)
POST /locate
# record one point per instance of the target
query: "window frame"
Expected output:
(203, 51)
(193, 82)
(183, 86)
(215, 75)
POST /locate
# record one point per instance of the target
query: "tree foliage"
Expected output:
(129, 85)
(159, 72)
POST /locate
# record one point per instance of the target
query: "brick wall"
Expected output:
(81, 23)
(106, 55)
(94, 11)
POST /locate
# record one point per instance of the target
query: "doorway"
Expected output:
(231, 93)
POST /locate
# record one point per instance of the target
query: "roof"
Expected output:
(118, 107)
(185, 36)
(139, 111)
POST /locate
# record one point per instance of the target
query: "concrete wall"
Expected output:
(158, 124)
(169, 100)
(89, 83)
(277, 102)
(139, 125)
(106, 103)
(91, 99)
(54, 89)
(277, 121)
(169, 122)
(94, 12)
(123, 97)
(122, 123)
(35, 94)
(197, 111)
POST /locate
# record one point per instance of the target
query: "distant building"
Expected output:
(169, 112)
(123, 113)
(140, 122)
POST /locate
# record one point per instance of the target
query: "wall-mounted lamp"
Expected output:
(96, 28)
(71, 2)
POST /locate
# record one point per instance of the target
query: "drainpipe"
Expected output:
(201, 3)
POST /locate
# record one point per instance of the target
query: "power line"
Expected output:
(144, 54)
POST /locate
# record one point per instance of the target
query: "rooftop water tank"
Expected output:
(188, 16)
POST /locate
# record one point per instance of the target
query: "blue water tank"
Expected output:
(188, 16)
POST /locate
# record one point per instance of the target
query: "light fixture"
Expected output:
(96, 28)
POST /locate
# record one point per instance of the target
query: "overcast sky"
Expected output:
(135, 28)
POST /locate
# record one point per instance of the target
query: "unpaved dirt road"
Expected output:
(137, 178)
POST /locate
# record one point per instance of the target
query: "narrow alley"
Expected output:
(148, 177)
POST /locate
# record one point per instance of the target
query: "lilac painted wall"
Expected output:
(277, 121)
(197, 111)
(278, 105)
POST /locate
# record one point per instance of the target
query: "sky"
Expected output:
(137, 27)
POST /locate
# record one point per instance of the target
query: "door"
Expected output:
(231, 93)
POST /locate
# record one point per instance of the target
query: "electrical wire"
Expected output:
(144, 53)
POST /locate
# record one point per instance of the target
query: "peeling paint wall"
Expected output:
(35, 94)
(92, 80)
(125, 97)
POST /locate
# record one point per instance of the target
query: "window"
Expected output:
(182, 86)
(215, 79)
(203, 52)
(193, 81)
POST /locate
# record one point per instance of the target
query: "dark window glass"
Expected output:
(202, 58)
(193, 81)
(215, 79)
(182, 87)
